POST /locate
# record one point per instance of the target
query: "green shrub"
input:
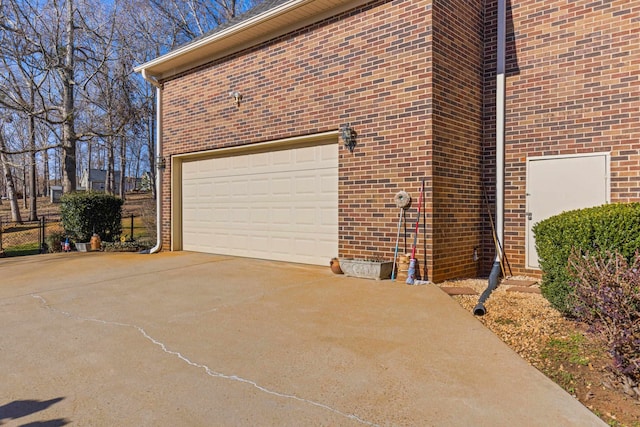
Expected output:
(54, 239)
(86, 213)
(613, 228)
(127, 246)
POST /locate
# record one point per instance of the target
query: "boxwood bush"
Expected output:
(86, 213)
(606, 228)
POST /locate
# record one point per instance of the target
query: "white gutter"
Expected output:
(500, 111)
(158, 155)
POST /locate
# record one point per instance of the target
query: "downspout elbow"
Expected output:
(494, 276)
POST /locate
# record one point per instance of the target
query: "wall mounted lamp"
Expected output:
(237, 97)
(348, 136)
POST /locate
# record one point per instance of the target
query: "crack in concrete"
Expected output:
(207, 370)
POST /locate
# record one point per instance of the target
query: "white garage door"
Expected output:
(279, 205)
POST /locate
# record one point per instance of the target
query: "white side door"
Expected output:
(556, 184)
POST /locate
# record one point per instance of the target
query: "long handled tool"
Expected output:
(402, 201)
(412, 264)
(498, 246)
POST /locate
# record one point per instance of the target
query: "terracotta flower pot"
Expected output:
(335, 266)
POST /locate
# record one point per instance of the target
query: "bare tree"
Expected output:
(33, 46)
(8, 177)
(20, 83)
(66, 70)
(62, 36)
(112, 114)
(162, 25)
(66, 63)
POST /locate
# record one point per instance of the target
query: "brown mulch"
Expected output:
(560, 348)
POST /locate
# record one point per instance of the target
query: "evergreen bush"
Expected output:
(86, 213)
(606, 228)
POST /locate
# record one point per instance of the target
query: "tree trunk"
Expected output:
(11, 189)
(136, 174)
(123, 164)
(69, 136)
(33, 177)
(109, 181)
(24, 183)
(45, 174)
(89, 155)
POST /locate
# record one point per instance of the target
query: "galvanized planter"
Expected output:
(82, 247)
(364, 269)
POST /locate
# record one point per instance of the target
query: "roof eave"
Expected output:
(274, 22)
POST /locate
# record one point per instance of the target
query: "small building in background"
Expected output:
(55, 193)
(95, 180)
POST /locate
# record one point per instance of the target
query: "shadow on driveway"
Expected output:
(22, 408)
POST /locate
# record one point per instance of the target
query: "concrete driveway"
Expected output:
(185, 339)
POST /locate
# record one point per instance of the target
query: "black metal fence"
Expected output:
(48, 235)
(30, 237)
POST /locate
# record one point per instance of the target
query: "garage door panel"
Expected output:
(258, 216)
(280, 205)
(281, 186)
(221, 190)
(260, 188)
(238, 163)
(281, 217)
(282, 158)
(305, 216)
(306, 185)
(239, 187)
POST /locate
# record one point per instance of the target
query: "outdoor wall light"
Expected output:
(348, 136)
(237, 97)
(161, 163)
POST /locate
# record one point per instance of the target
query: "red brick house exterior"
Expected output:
(416, 81)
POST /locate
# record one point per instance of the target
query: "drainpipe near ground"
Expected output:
(158, 156)
(494, 276)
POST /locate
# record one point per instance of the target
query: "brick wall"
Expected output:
(457, 135)
(573, 86)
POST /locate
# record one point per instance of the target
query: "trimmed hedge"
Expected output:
(606, 228)
(86, 213)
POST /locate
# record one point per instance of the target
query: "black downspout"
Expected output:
(494, 276)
